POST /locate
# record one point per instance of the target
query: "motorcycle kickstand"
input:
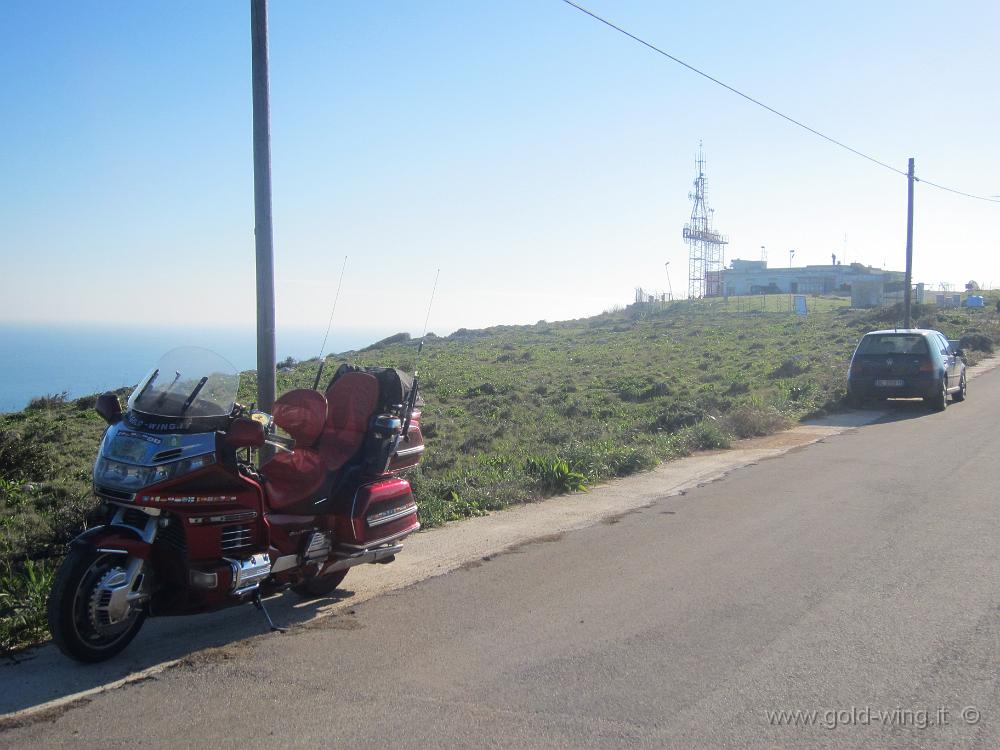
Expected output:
(259, 604)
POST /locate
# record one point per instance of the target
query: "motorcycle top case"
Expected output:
(379, 512)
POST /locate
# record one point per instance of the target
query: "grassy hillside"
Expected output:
(512, 414)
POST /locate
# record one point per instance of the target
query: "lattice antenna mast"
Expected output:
(705, 245)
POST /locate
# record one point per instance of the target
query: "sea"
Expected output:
(39, 359)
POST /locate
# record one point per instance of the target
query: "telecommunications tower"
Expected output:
(705, 246)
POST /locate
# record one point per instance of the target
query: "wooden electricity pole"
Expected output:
(263, 234)
(909, 246)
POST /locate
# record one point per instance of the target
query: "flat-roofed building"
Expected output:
(754, 277)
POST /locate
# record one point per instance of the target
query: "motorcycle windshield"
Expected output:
(188, 382)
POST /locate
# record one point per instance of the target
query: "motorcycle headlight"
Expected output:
(130, 477)
(118, 474)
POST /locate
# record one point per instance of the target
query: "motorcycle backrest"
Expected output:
(302, 414)
(352, 399)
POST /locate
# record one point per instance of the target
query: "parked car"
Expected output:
(907, 363)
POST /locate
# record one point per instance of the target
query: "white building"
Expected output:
(754, 277)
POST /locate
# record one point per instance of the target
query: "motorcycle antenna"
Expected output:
(412, 400)
(319, 372)
(427, 317)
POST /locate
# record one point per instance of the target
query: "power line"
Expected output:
(772, 110)
(957, 192)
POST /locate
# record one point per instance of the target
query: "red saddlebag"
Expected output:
(379, 512)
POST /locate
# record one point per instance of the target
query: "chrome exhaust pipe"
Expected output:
(364, 556)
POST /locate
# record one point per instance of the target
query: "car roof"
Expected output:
(920, 331)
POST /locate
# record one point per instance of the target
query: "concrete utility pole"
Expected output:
(263, 234)
(909, 246)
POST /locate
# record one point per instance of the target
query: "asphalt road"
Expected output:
(857, 578)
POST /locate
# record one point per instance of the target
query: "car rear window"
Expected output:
(892, 343)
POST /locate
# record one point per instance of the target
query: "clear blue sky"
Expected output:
(541, 160)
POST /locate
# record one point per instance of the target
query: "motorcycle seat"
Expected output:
(294, 476)
(329, 432)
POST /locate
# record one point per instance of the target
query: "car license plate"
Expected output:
(889, 383)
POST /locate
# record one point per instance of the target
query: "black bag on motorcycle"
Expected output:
(394, 385)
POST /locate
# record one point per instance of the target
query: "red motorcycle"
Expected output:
(191, 525)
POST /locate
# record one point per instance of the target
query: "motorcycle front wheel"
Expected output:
(78, 618)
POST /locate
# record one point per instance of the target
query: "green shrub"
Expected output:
(754, 421)
(23, 591)
(86, 403)
(50, 401)
(638, 388)
(676, 415)
(979, 342)
(608, 458)
(21, 458)
(787, 369)
(554, 475)
(704, 436)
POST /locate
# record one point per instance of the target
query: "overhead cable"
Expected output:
(772, 110)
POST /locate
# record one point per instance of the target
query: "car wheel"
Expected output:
(940, 401)
(962, 391)
(854, 401)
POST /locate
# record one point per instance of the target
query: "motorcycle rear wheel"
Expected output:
(69, 609)
(310, 588)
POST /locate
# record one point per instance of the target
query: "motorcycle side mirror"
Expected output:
(109, 407)
(245, 433)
